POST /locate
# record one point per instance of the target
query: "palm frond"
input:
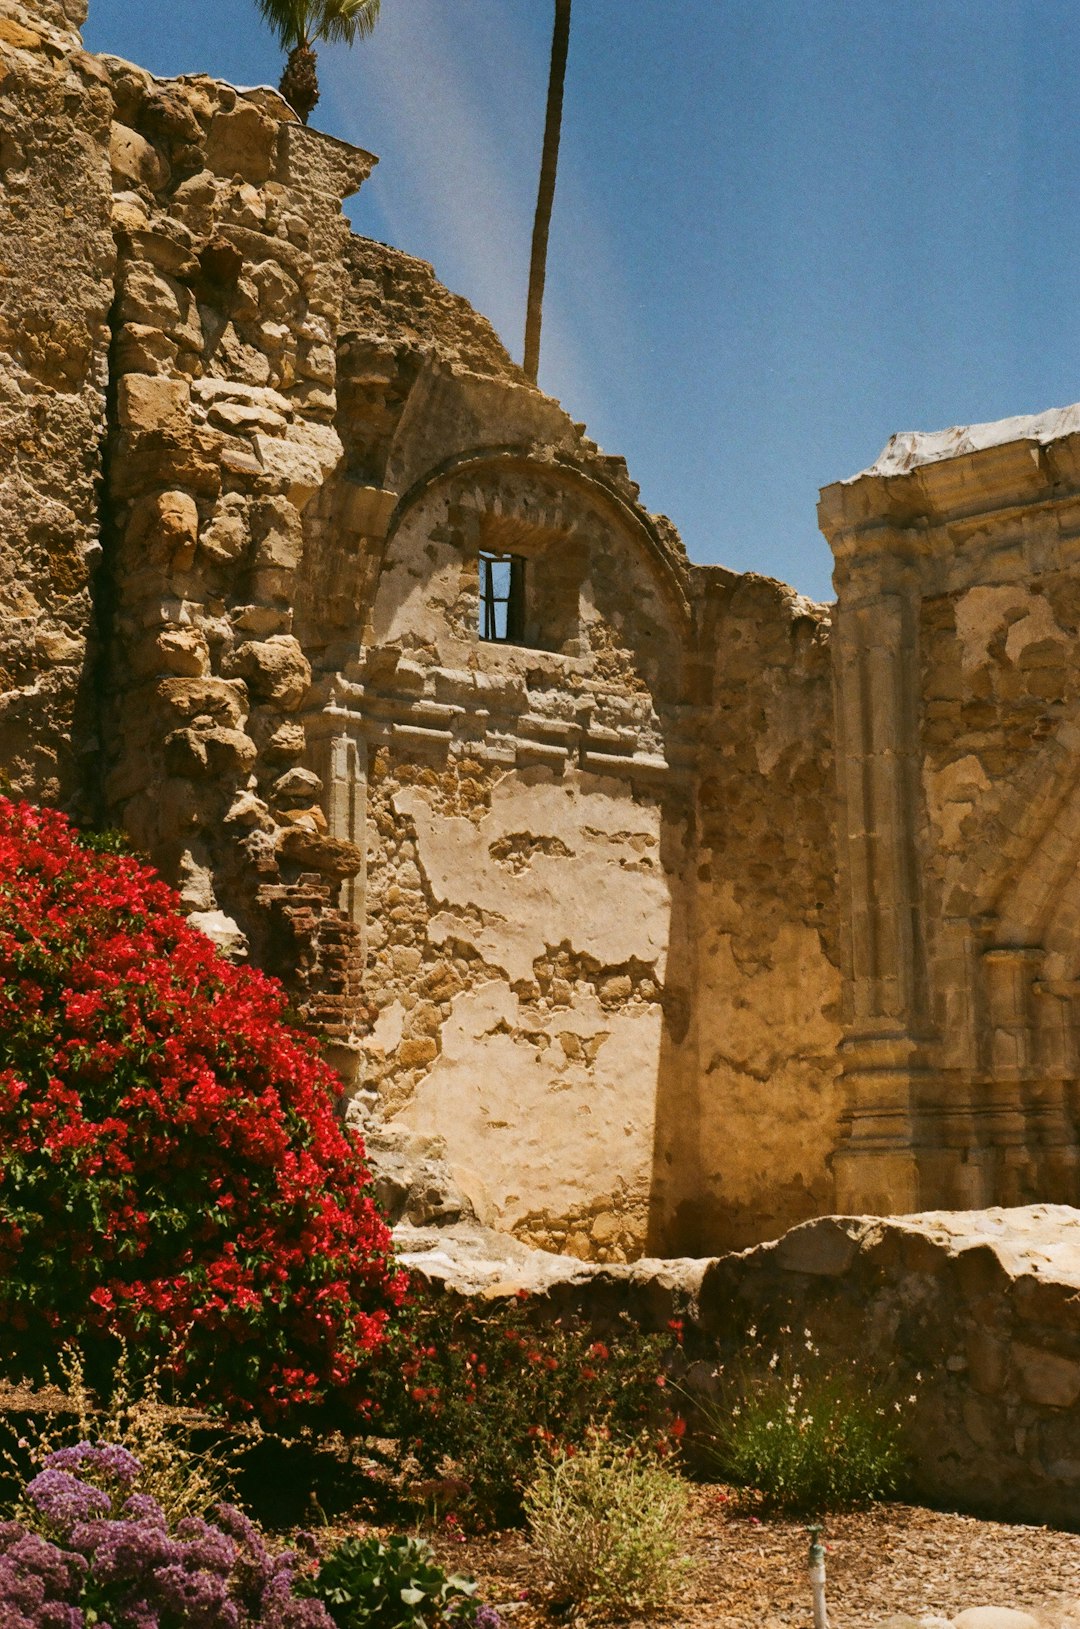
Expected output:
(347, 20)
(291, 20)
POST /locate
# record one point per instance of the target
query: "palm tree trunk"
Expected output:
(549, 164)
(300, 81)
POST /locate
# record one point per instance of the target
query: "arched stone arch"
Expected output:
(1014, 859)
(525, 811)
(1012, 914)
(573, 488)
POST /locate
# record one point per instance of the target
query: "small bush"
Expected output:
(808, 1435)
(474, 1394)
(394, 1583)
(608, 1524)
(172, 1168)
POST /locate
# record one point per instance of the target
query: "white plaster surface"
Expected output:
(599, 885)
(529, 1128)
(911, 448)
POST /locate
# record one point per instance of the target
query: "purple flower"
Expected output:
(487, 1618)
(205, 1575)
(124, 1552)
(63, 1500)
(39, 1583)
(207, 1546)
(106, 1459)
(142, 1508)
(195, 1598)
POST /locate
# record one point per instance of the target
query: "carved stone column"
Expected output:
(877, 709)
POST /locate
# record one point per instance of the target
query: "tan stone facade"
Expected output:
(608, 902)
(956, 680)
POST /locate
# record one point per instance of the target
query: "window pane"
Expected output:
(500, 578)
(501, 588)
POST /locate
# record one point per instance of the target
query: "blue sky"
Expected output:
(782, 231)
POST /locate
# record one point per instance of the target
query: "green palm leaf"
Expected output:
(302, 22)
(347, 20)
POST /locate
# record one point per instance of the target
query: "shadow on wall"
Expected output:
(749, 1112)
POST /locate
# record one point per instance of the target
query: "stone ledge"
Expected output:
(975, 1314)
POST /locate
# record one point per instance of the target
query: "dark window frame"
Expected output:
(502, 614)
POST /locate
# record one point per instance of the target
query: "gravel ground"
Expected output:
(892, 1561)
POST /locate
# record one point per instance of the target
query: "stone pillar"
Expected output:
(340, 750)
(877, 708)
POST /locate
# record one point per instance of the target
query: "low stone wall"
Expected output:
(975, 1315)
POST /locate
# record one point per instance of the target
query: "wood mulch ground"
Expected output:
(894, 1560)
(891, 1562)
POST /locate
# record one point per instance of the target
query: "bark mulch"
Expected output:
(889, 1561)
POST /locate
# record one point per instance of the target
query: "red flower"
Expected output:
(172, 1166)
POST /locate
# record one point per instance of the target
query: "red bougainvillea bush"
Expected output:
(172, 1169)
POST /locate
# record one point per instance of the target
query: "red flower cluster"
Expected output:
(172, 1168)
(491, 1386)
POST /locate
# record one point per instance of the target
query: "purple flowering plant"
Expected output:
(92, 1550)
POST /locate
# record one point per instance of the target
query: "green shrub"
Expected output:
(392, 1583)
(808, 1435)
(478, 1392)
(608, 1523)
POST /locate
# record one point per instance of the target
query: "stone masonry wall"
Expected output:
(56, 261)
(958, 695)
(967, 1321)
(748, 1143)
(527, 849)
(227, 219)
(970, 1318)
(562, 903)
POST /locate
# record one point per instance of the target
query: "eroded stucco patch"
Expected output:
(539, 1110)
(552, 862)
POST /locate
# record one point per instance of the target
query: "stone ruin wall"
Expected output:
(957, 569)
(538, 899)
(56, 268)
(764, 1104)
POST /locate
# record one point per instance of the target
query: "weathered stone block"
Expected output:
(301, 784)
(331, 856)
(209, 749)
(142, 349)
(823, 1249)
(222, 700)
(226, 536)
(1045, 1377)
(136, 161)
(417, 1051)
(275, 669)
(152, 402)
(287, 741)
(242, 142)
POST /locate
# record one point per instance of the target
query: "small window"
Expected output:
(502, 597)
